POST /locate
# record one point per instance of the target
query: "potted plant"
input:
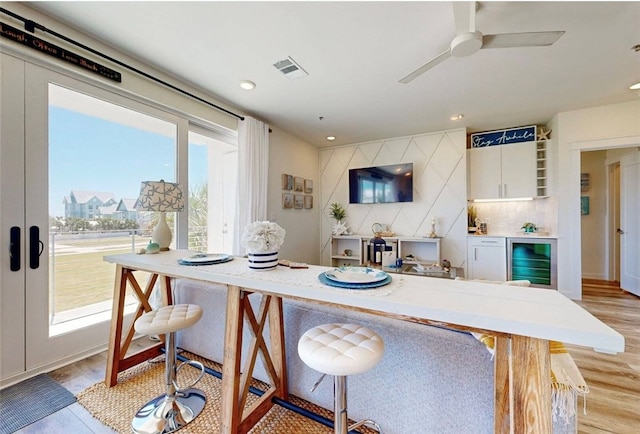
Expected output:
(472, 215)
(529, 227)
(338, 213)
(263, 239)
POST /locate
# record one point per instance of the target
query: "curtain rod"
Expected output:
(30, 26)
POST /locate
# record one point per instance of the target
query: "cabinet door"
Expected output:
(487, 258)
(485, 173)
(519, 170)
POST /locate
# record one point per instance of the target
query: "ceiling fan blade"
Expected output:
(427, 66)
(464, 16)
(513, 40)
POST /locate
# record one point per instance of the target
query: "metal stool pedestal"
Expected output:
(177, 406)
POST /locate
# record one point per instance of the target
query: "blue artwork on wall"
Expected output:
(503, 137)
(584, 205)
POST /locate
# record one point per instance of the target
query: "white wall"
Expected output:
(290, 155)
(603, 127)
(440, 189)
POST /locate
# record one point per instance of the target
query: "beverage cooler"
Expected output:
(533, 259)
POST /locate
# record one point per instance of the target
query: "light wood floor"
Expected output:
(613, 405)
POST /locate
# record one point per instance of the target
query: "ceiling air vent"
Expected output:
(290, 68)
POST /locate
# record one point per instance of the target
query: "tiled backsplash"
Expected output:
(506, 218)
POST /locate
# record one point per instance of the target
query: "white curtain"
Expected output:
(253, 171)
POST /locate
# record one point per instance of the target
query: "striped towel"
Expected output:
(567, 382)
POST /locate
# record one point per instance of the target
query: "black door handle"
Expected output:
(35, 247)
(14, 248)
(620, 231)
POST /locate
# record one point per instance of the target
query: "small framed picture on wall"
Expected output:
(308, 201)
(298, 201)
(287, 200)
(298, 184)
(308, 186)
(287, 182)
(584, 205)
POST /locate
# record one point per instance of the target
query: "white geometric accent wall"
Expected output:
(439, 190)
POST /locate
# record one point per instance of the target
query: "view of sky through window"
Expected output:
(93, 154)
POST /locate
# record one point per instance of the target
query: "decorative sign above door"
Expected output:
(504, 137)
(50, 49)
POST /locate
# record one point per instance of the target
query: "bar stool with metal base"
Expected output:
(177, 406)
(341, 350)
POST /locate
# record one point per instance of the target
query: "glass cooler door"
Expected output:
(533, 260)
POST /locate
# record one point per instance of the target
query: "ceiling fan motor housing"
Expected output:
(466, 44)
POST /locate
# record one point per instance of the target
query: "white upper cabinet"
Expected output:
(503, 172)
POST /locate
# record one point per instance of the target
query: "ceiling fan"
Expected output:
(468, 40)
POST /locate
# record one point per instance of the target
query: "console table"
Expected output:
(522, 319)
(423, 249)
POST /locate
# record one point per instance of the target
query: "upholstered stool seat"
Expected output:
(177, 406)
(341, 350)
(168, 319)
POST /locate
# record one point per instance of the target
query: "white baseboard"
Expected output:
(594, 276)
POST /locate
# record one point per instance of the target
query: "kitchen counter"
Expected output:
(515, 235)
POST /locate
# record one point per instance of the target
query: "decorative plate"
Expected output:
(324, 279)
(205, 259)
(355, 275)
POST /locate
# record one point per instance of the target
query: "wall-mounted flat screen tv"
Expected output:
(381, 184)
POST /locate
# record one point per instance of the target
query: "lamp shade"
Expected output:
(160, 196)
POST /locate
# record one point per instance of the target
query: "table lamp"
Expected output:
(162, 197)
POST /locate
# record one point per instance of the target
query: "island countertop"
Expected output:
(532, 312)
(523, 320)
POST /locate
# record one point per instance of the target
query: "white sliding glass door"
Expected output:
(12, 217)
(71, 166)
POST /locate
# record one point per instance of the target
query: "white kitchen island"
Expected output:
(522, 319)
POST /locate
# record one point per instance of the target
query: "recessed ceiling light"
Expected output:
(456, 117)
(331, 137)
(635, 86)
(247, 84)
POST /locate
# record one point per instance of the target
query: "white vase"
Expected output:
(263, 260)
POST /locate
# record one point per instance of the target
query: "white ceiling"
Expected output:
(355, 53)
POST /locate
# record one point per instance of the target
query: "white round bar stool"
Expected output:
(341, 350)
(177, 406)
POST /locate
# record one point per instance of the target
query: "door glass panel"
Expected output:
(212, 193)
(99, 153)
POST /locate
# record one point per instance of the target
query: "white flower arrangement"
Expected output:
(263, 236)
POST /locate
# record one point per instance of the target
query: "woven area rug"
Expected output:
(31, 400)
(116, 406)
